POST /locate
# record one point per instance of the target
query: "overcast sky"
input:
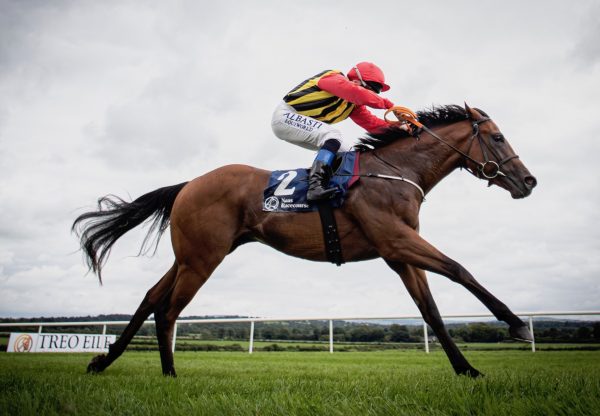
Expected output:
(125, 97)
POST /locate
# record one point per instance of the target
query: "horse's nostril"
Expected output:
(530, 181)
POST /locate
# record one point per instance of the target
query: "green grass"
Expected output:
(374, 383)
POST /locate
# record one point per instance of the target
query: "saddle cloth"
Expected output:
(286, 190)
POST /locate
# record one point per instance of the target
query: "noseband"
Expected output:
(408, 116)
(496, 165)
(485, 147)
(483, 168)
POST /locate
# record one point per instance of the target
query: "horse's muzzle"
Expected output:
(529, 182)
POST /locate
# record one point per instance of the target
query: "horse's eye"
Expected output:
(498, 137)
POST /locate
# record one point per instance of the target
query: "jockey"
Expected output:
(306, 114)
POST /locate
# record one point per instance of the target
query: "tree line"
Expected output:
(343, 331)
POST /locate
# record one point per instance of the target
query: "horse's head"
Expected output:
(499, 163)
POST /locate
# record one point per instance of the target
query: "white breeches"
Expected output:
(301, 130)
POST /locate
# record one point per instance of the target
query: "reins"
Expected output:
(408, 116)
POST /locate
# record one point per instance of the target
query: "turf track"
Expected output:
(307, 383)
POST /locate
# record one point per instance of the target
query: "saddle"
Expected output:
(286, 192)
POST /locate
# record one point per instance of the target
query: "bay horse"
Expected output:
(217, 212)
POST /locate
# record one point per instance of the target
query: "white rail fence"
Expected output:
(528, 315)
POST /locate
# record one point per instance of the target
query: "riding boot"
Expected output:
(320, 172)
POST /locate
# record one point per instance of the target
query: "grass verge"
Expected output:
(309, 383)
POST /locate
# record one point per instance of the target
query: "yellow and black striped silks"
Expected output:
(309, 100)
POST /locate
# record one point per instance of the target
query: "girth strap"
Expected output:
(333, 247)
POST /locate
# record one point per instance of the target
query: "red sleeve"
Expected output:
(342, 87)
(363, 117)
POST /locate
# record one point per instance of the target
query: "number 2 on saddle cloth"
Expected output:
(286, 190)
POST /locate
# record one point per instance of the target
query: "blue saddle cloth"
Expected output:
(286, 191)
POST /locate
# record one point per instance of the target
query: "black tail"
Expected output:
(99, 230)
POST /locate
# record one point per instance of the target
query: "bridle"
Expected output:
(483, 168)
(485, 147)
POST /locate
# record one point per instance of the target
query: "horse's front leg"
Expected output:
(403, 244)
(416, 283)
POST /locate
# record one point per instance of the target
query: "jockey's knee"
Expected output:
(330, 135)
(332, 145)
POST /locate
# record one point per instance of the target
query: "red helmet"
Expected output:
(368, 71)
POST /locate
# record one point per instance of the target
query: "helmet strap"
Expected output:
(362, 82)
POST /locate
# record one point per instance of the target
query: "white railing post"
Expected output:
(42, 325)
(251, 346)
(532, 336)
(426, 336)
(174, 336)
(331, 336)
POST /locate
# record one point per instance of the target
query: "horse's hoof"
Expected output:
(97, 364)
(470, 372)
(170, 373)
(520, 333)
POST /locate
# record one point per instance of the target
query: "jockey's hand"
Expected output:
(406, 118)
(387, 103)
(401, 125)
(398, 111)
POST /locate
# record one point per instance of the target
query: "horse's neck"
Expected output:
(427, 160)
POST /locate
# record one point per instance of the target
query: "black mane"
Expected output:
(435, 116)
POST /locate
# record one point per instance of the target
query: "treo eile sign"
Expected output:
(39, 342)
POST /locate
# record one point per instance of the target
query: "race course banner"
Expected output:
(36, 342)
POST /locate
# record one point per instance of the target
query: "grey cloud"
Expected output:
(16, 22)
(123, 98)
(3, 120)
(23, 28)
(143, 135)
(586, 50)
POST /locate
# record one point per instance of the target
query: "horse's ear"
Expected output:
(468, 111)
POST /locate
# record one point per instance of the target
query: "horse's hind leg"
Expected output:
(205, 221)
(164, 336)
(189, 280)
(153, 297)
(415, 281)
